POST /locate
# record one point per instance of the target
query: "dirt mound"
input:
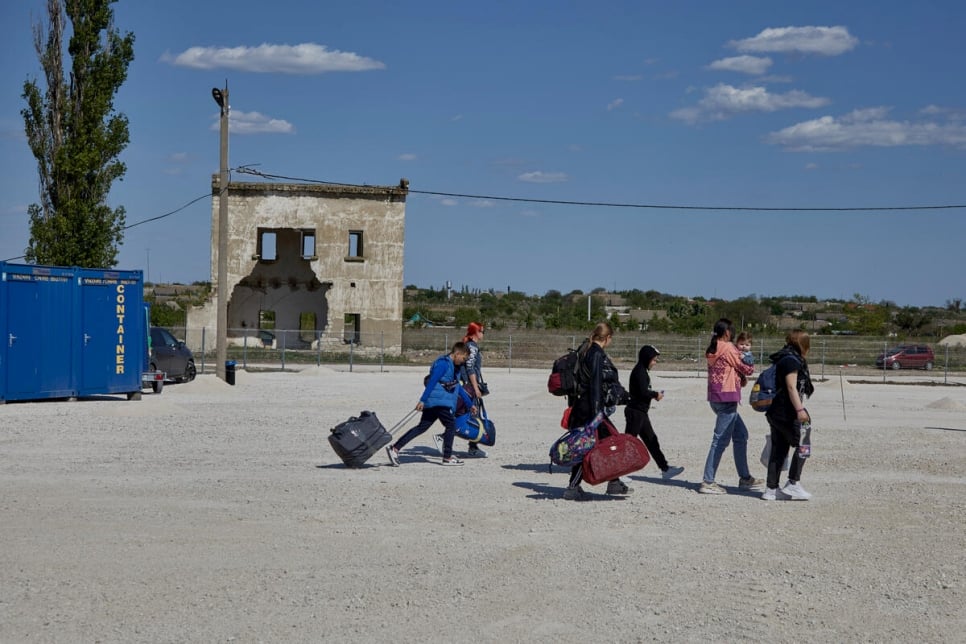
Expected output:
(946, 403)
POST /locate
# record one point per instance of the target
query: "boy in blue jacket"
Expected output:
(438, 402)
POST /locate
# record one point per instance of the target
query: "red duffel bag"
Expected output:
(614, 456)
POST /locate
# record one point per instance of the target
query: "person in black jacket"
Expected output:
(641, 395)
(600, 389)
(787, 417)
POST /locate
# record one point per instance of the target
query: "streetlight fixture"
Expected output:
(221, 330)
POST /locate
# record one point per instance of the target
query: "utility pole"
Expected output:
(221, 331)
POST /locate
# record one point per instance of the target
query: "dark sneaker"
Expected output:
(751, 483)
(476, 452)
(575, 494)
(671, 472)
(618, 487)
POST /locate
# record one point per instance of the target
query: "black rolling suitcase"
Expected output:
(358, 438)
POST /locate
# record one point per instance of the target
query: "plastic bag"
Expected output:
(766, 454)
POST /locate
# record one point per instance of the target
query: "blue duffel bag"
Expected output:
(476, 429)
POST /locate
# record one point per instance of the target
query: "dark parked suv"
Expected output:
(170, 355)
(907, 356)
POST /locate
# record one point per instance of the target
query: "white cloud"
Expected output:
(628, 77)
(457, 117)
(951, 113)
(755, 65)
(543, 177)
(773, 78)
(178, 157)
(614, 104)
(529, 213)
(407, 156)
(306, 58)
(869, 127)
(811, 166)
(254, 123)
(823, 41)
(724, 101)
(446, 201)
(482, 203)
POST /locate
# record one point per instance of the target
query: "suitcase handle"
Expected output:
(405, 419)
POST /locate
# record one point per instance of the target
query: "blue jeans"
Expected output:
(728, 427)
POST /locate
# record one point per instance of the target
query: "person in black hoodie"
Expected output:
(787, 417)
(641, 395)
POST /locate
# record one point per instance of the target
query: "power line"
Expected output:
(143, 221)
(608, 204)
(168, 214)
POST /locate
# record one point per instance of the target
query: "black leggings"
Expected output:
(784, 437)
(639, 424)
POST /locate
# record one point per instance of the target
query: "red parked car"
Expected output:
(907, 356)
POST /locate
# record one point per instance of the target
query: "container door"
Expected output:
(38, 339)
(111, 338)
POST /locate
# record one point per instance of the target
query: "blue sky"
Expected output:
(750, 103)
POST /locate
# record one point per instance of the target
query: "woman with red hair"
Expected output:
(471, 377)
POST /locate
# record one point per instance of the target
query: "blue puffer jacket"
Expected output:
(435, 394)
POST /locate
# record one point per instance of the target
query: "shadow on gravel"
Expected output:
(947, 429)
(684, 484)
(544, 492)
(535, 467)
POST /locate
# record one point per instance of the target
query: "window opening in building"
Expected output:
(266, 327)
(308, 244)
(355, 243)
(352, 334)
(307, 327)
(267, 245)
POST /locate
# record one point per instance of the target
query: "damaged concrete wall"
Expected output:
(310, 255)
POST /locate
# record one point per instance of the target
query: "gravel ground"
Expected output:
(212, 513)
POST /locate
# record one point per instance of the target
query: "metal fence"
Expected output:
(282, 349)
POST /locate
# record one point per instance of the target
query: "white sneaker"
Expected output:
(438, 439)
(770, 494)
(795, 491)
(671, 472)
(711, 488)
(393, 455)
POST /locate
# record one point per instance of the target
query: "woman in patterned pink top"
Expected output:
(726, 374)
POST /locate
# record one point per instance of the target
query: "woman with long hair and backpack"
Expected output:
(471, 377)
(787, 417)
(726, 371)
(600, 388)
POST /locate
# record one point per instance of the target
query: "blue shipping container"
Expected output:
(70, 332)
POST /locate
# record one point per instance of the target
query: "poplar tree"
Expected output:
(76, 135)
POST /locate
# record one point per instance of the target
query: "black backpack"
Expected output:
(564, 380)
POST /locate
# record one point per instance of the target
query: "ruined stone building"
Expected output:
(310, 263)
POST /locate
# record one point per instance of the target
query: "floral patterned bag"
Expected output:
(570, 449)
